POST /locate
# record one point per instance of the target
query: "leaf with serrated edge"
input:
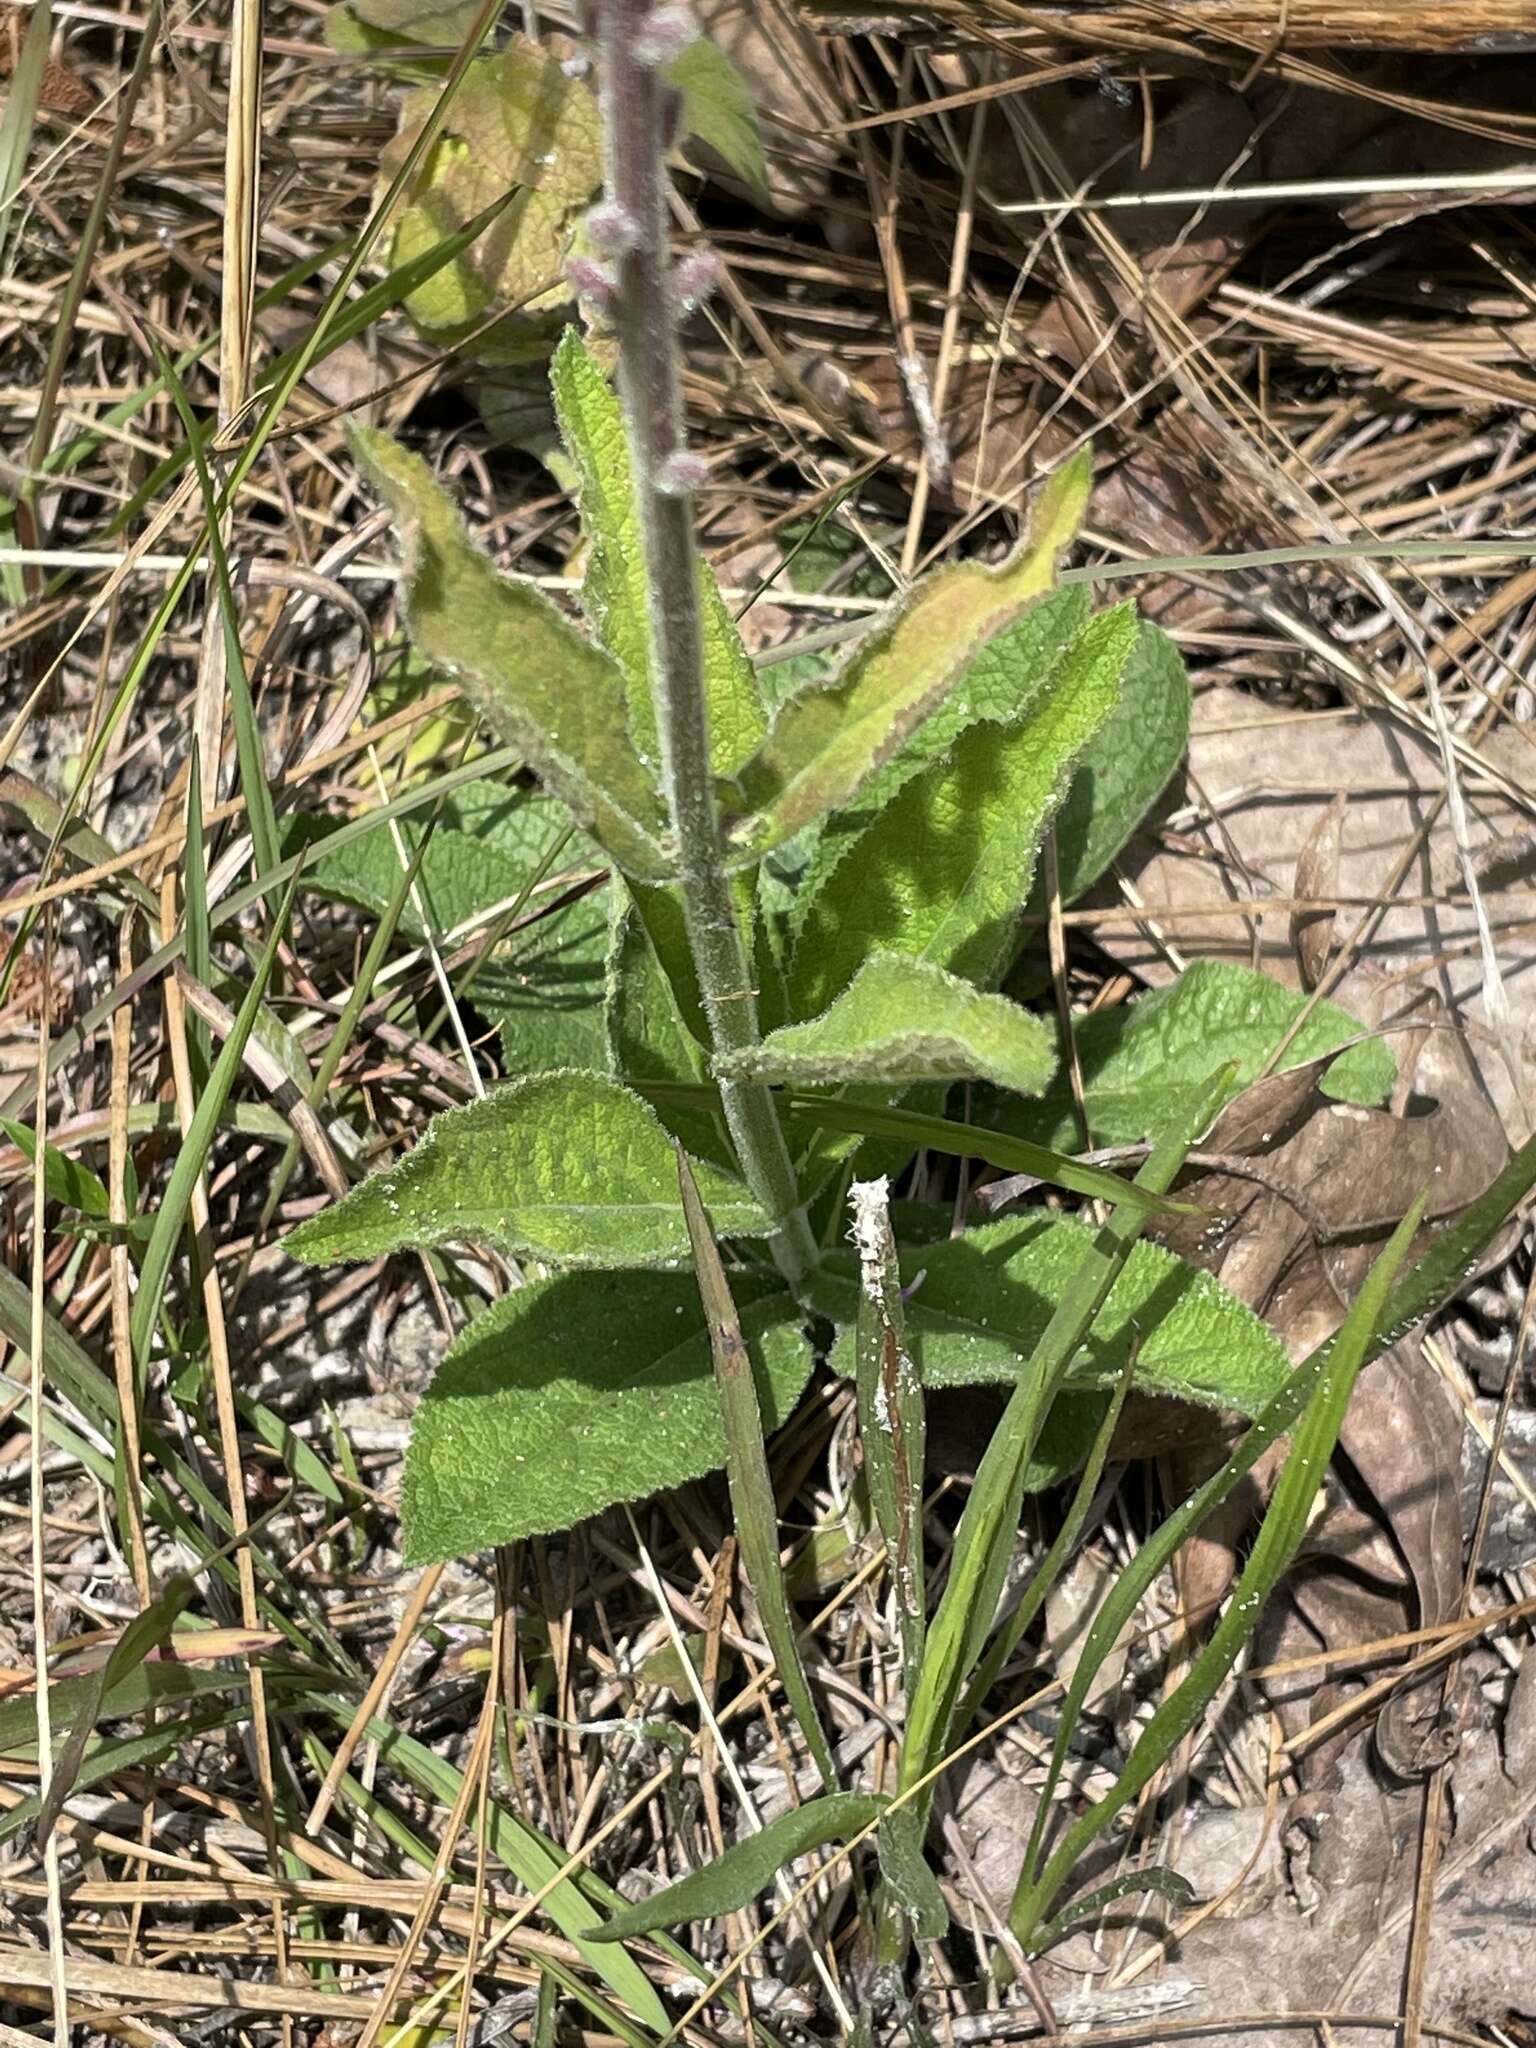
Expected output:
(828, 741)
(1127, 765)
(748, 1867)
(575, 1392)
(988, 1295)
(943, 872)
(1134, 1058)
(536, 680)
(571, 1168)
(902, 1020)
(615, 592)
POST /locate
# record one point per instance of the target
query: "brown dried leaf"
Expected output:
(1317, 874)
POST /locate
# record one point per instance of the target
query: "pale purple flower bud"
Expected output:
(612, 229)
(664, 35)
(594, 281)
(696, 276)
(681, 474)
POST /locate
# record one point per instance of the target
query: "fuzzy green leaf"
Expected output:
(902, 1020)
(748, 1867)
(649, 1037)
(615, 592)
(1136, 1058)
(536, 680)
(828, 741)
(1128, 763)
(987, 1296)
(718, 111)
(944, 871)
(570, 1168)
(575, 1392)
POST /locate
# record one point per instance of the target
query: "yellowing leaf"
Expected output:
(517, 122)
(570, 1168)
(535, 679)
(902, 1020)
(826, 743)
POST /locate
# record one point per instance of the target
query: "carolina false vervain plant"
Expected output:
(811, 908)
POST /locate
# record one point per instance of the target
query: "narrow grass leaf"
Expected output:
(892, 1414)
(19, 114)
(1279, 1538)
(902, 1020)
(988, 1527)
(193, 1154)
(748, 1867)
(572, 1168)
(968, 1141)
(746, 1471)
(1157, 1877)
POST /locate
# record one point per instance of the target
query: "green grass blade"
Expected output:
(254, 786)
(19, 114)
(892, 1414)
(746, 1468)
(1279, 1537)
(968, 1141)
(192, 1156)
(988, 1528)
(195, 914)
(748, 1867)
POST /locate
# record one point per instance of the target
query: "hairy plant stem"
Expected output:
(636, 123)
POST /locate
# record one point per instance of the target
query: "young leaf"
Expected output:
(998, 688)
(65, 1178)
(1135, 1057)
(943, 872)
(570, 1168)
(536, 680)
(1127, 765)
(903, 1020)
(827, 742)
(748, 1867)
(575, 1392)
(649, 1038)
(988, 1295)
(718, 111)
(616, 594)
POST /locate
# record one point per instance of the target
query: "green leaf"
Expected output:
(998, 687)
(967, 1141)
(1280, 1535)
(899, 1843)
(986, 1297)
(1128, 763)
(578, 1391)
(570, 1168)
(718, 111)
(828, 741)
(944, 871)
(536, 680)
(518, 123)
(650, 1041)
(1136, 1057)
(903, 1020)
(615, 592)
(65, 1178)
(748, 1867)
